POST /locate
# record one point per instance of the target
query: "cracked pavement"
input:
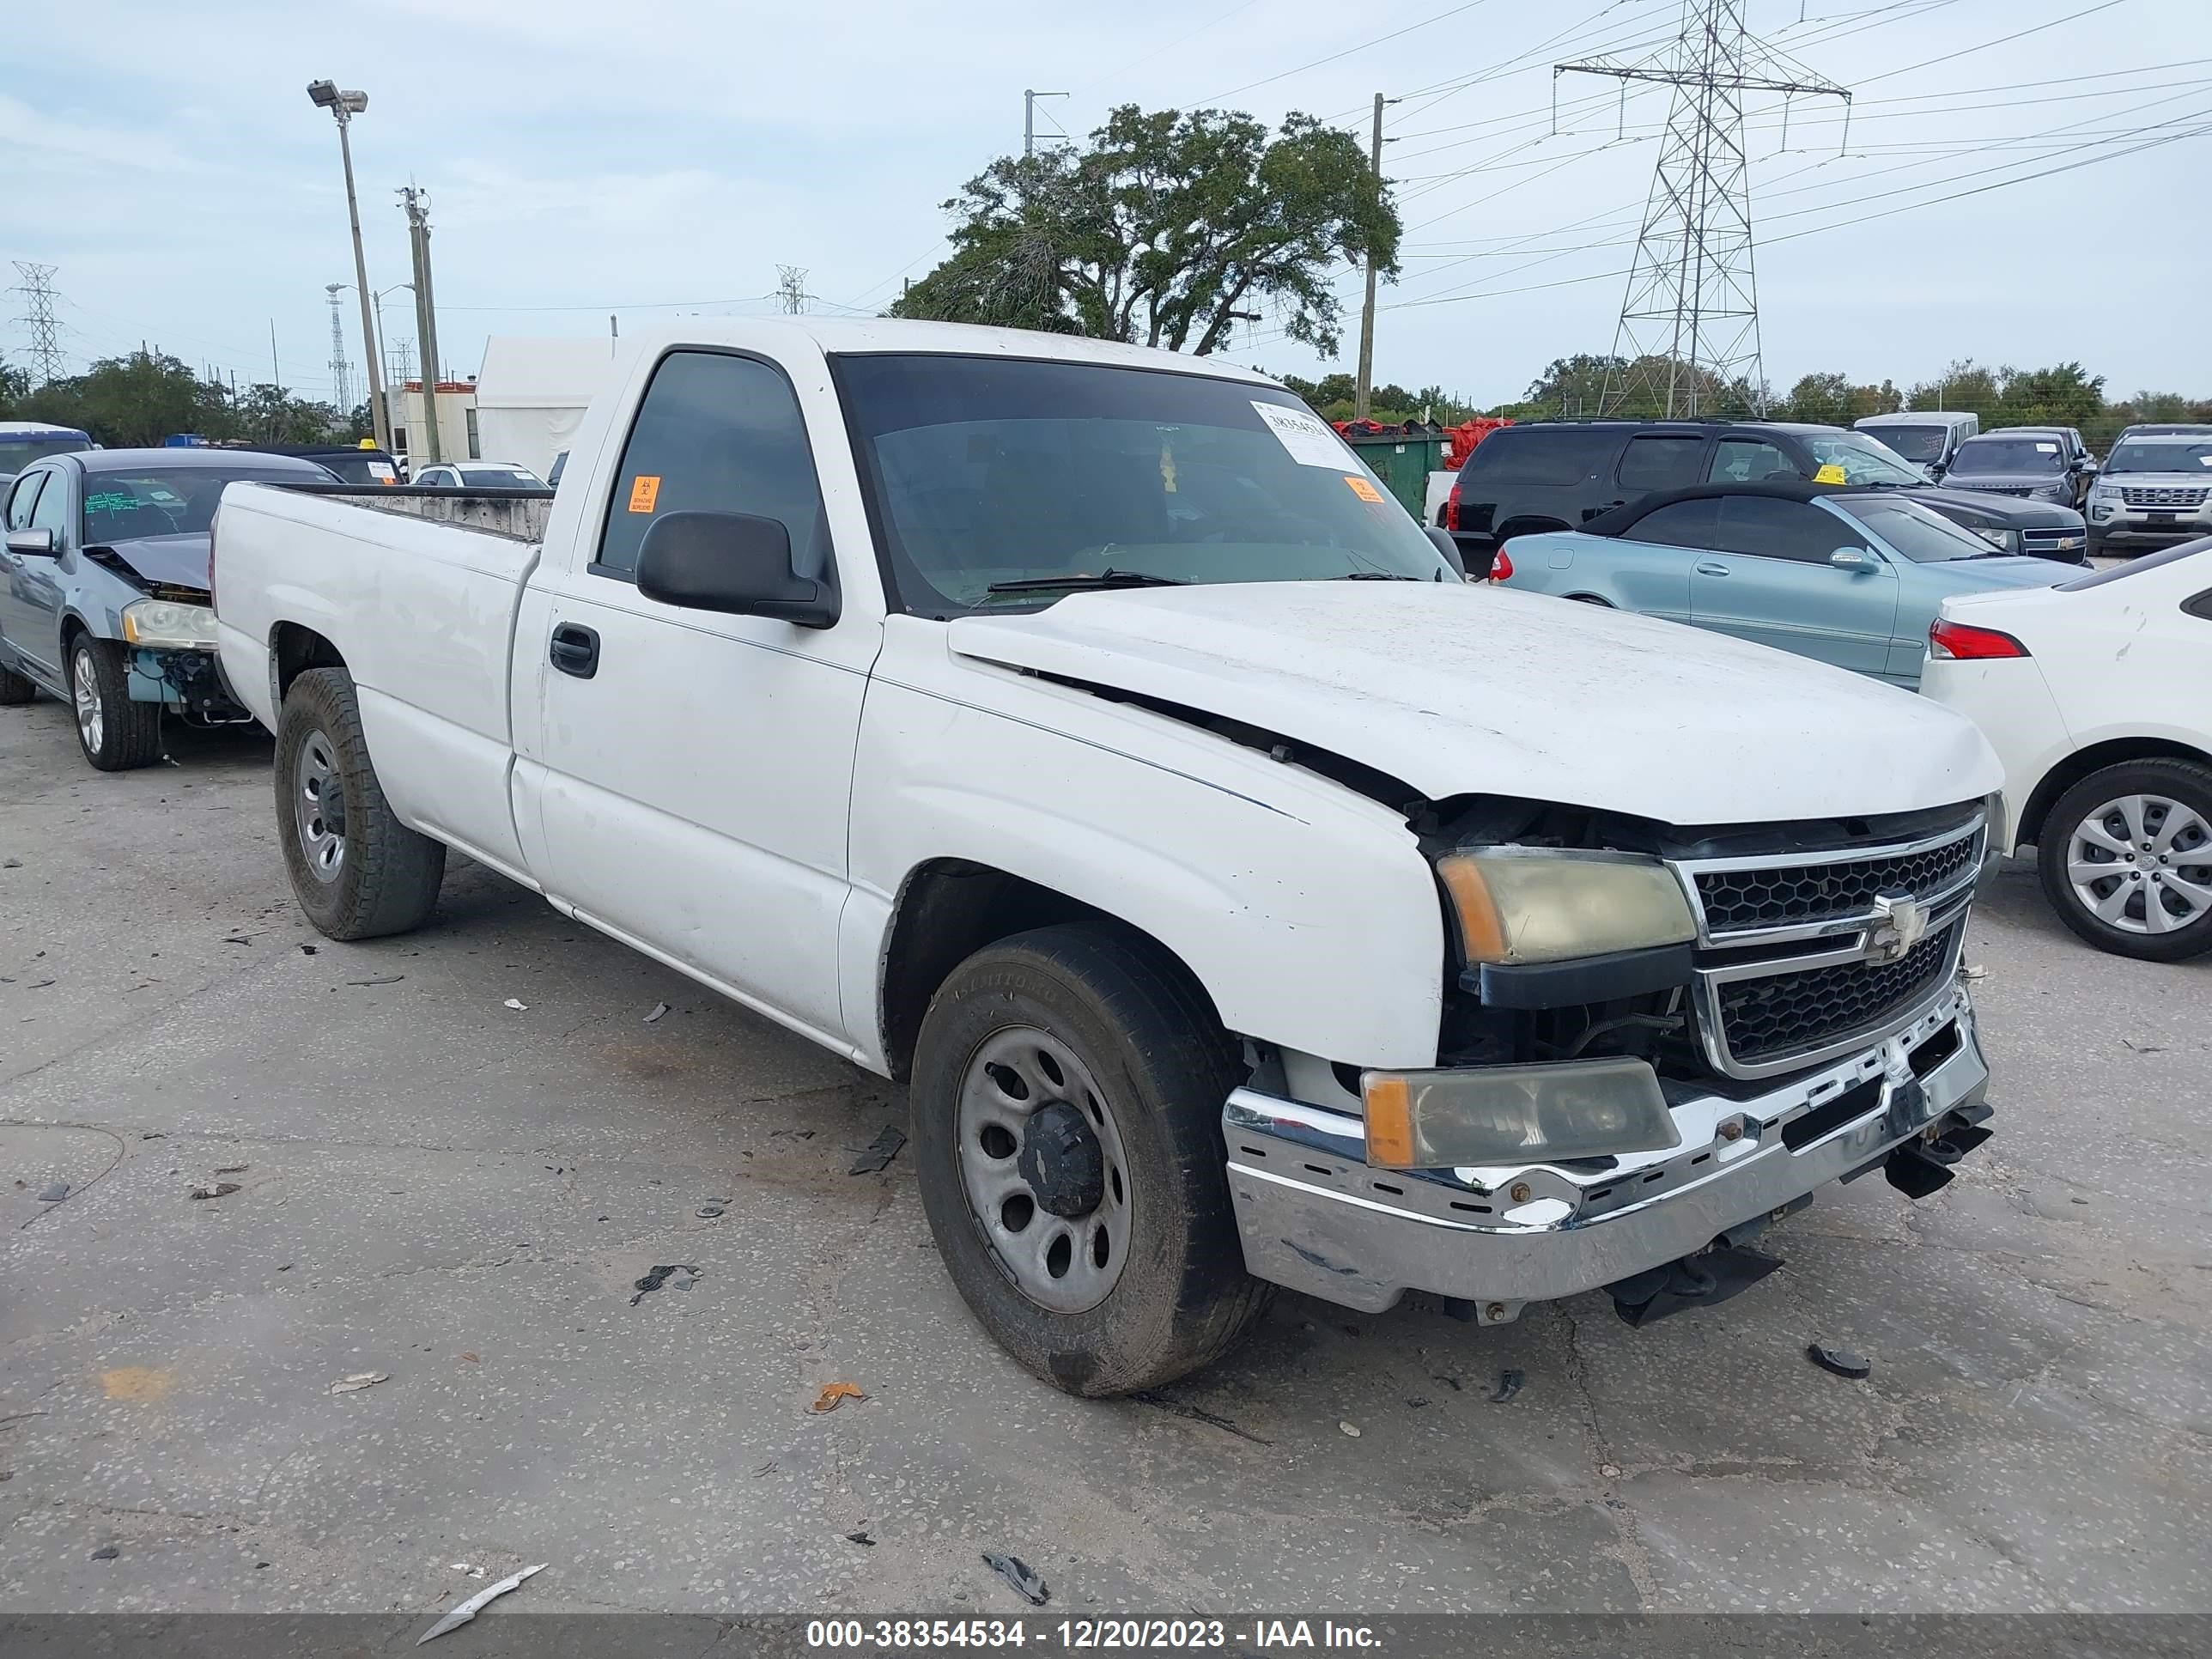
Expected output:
(460, 1195)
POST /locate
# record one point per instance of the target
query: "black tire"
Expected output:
(130, 733)
(2184, 782)
(15, 688)
(1140, 1024)
(385, 879)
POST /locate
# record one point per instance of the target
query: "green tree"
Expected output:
(2059, 396)
(1165, 230)
(1831, 399)
(1965, 388)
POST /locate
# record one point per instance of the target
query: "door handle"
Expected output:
(576, 650)
(1710, 567)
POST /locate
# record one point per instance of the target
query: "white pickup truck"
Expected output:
(1082, 736)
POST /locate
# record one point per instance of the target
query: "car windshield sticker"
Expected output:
(1304, 437)
(2046, 449)
(1366, 491)
(111, 500)
(644, 492)
(1831, 473)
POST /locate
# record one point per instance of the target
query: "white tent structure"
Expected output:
(531, 396)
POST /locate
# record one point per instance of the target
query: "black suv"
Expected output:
(1555, 474)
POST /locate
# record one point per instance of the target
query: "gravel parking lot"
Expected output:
(458, 1194)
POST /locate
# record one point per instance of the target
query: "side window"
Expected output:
(1678, 524)
(1774, 528)
(51, 511)
(20, 498)
(1551, 457)
(716, 434)
(1660, 462)
(1748, 461)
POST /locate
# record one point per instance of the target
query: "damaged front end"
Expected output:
(171, 654)
(1656, 1042)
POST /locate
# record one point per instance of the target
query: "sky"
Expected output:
(656, 160)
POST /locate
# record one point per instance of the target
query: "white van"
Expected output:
(1926, 437)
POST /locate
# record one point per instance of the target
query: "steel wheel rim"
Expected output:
(1012, 1074)
(319, 807)
(84, 692)
(2142, 864)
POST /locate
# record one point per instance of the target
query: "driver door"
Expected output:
(31, 600)
(1768, 580)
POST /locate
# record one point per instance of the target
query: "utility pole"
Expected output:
(426, 319)
(791, 288)
(341, 370)
(45, 349)
(344, 105)
(276, 374)
(1029, 117)
(1361, 399)
(1692, 297)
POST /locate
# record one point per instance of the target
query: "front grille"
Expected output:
(2002, 490)
(2151, 495)
(1762, 1019)
(1786, 895)
(2052, 540)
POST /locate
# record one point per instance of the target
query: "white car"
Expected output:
(477, 474)
(2097, 697)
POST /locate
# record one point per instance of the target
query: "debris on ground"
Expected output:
(660, 1011)
(234, 1168)
(1198, 1414)
(1508, 1384)
(2142, 1047)
(881, 1150)
(153, 1135)
(11, 864)
(359, 1381)
(835, 1395)
(106, 1553)
(658, 1277)
(1011, 1568)
(708, 1211)
(463, 1566)
(220, 1189)
(1974, 971)
(472, 1359)
(1451, 1383)
(1417, 1401)
(1841, 1361)
(467, 1610)
(236, 938)
(1352, 1429)
(55, 1194)
(861, 1539)
(518, 1004)
(381, 979)
(307, 950)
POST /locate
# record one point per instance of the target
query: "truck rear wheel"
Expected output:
(1067, 1095)
(357, 870)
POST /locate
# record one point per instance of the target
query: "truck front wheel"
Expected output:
(1066, 1094)
(357, 870)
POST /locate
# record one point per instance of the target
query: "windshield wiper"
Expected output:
(1076, 582)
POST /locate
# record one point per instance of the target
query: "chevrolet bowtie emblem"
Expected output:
(1901, 921)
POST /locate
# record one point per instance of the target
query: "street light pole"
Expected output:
(344, 105)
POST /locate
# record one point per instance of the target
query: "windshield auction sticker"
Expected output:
(644, 492)
(1306, 437)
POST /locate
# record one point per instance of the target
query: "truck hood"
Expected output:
(156, 561)
(1462, 689)
(2000, 482)
(2011, 511)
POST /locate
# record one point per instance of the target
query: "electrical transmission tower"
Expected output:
(1688, 339)
(791, 288)
(341, 370)
(44, 350)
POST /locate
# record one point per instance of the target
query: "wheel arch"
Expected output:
(2112, 751)
(947, 909)
(293, 648)
(1525, 524)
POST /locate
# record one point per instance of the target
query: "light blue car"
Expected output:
(1852, 577)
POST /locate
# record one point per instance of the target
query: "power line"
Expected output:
(44, 350)
(1284, 74)
(791, 288)
(1967, 51)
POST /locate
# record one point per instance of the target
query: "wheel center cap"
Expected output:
(1062, 1161)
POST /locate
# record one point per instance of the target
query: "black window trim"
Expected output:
(594, 568)
(39, 474)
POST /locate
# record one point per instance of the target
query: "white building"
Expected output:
(531, 396)
(457, 438)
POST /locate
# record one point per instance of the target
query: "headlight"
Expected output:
(1509, 1114)
(2005, 541)
(165, 625)
(1519, 906)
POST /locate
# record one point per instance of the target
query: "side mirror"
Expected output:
(733, 562)
(2086, 468)
(32, 544)
(1450, 549)
(1856, 560)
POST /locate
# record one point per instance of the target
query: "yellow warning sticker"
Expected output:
(1831, 473)
(644, 492)
(1366, 491)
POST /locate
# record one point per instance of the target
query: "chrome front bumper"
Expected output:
(1316, 1217)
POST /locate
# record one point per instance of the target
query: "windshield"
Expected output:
(17, 454)
(121, 507)
(1916, 443)
(1863, 460)
(1921, 535)
(2160, 458)
(2009, 455)
(985, 470)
